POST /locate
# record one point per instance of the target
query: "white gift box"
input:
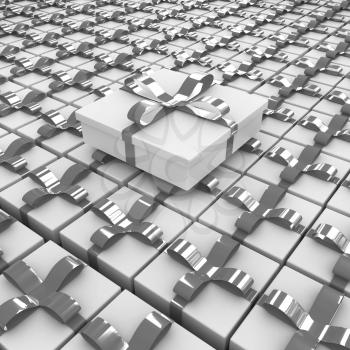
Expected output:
(34, 156)
(47, 219)
(215, 311)
(126, 313)
(123, 260)
(264, 331)
(315, 259)
(41, 330)
(267, 238)
(340, 198)
(16, 241)
(179, 148)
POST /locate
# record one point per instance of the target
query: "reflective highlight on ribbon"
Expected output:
(41, 293)
(206, 270)
(103, 336)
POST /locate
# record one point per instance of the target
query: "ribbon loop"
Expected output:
(40, 293)
(51, 186)
(208, 269)
(11, 157)
(332, 237)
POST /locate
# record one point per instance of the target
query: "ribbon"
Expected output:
(5, 222)
(11, 158)
(39, 293)
(331, 237)
(121, 61)
(65, 187)
(12, 102)
(259, 54)
(263, 210)
(24, 66)
(244, 69)
(63, 81)
(173, 33)
(121, 224)
(141, 46)
(159, 103)
(183, 58)
(341, 98)
(298, 84)
(314, 327)
(325, 133)
(119, 35)
(323, 64)
(296, 167)
(58, 124)
(102, 336)
(8, 52)
(275, 111)
(206, 270)
(214, 43)
(34, 39)
(84, 49)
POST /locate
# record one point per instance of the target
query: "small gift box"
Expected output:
(180, 132)
(340, 197)
(296, 312)
(120, 235)
(46, 297)
(324, 250)
(206, 282)
(16, 240)
(55, 195)
(129, 323)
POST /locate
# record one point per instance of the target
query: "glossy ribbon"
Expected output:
(314, 327)
(103, 336)
(11, 158)
(207, 270)
(45, 294)
(295, 167)
(264, 210)
(121, 224)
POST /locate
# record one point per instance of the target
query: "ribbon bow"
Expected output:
(121, 61)
(8, 52)
(11, 158)
(295, 167)
(244, 69)
(274, 110)
(12, 102)
(311, 332)
(174, 33)
(83, 49)
(102, 336)
(205, 270)
(38, 293)
(57, 124)
(332, 237)
(323, 64)
(118, 35)
(24, 66)
(325, 132)
(187, 99)
(63, 81)
(51, 186)
(263, 210)
(341, 98)
(122, 224)
(183, 58)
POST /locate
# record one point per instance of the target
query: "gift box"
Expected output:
(179, 147)
(122, 259)
(308, 185)
(142, 323)
(267, 328)
(16, 240)
(270, 238)
(18, 156)
(319, 252)
(48, 315)
(212, 310)
(55, 196)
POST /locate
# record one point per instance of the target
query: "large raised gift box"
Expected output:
(175, 126)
